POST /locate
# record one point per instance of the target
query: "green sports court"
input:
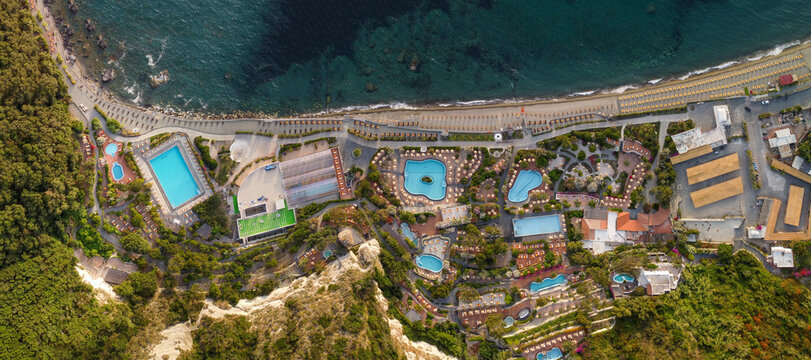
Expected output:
(266, 222)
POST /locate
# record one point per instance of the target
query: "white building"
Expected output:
(693, 138)
(721, 116)
(662, 280)
(782, 140)
(781, 257)
(756, 232)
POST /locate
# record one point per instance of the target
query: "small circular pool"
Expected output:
(327, 254)
(429, 262)
(508, 321)
(118, 171)
(111, 149)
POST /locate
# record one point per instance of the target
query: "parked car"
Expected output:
(765, 102)
(270, 167)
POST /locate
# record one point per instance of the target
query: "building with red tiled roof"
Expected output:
(787, 79)
(605, 230)
(635, 147)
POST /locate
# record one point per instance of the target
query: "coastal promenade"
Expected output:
(548, 118)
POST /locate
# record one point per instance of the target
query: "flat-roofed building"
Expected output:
(781, 257)
(794, 206)
(717, 192)
(722, 117)
(695, 138)
(663, 279)
(711, 169)
(782, 140)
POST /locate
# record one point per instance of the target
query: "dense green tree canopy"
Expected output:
(731, 311)
(46, 312)
(135, 243)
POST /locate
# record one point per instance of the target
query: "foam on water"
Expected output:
(152, 62)
(480, 62)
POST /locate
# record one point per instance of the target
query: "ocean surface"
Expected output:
(300, 56)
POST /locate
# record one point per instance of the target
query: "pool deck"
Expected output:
(109, 160)
(515, 170)
(436, 246)
(181, 215)
(392, 167)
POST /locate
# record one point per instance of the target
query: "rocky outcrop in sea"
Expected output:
(157, 80)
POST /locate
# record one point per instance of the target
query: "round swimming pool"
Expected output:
(429, 262)
(118, 171)
(426, 177)
(508, 321)
(526, 181)
(620, 278)
(111, 149)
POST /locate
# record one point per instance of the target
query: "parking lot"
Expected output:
(738, 205)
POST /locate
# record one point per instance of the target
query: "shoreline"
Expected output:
(708, 72)
(427, 106)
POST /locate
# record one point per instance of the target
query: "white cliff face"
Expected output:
(267, 309)
(101, 289)
(414, 350)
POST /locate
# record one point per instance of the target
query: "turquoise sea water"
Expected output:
(174, 177)
(287, 56)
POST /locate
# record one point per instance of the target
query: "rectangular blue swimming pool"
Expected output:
(536, 225)
(174, 177)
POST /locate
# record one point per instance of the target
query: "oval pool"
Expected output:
(118, 171)
(620, 278)
(429, 262)
(526, 181)
(547, 283)
(111, 149)
(508, 321)
(414, 172)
